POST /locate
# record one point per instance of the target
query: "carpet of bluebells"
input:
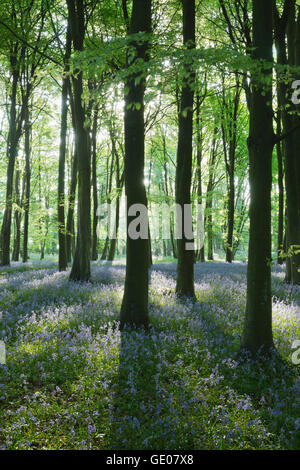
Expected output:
(73, 381)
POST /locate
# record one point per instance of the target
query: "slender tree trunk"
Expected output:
(209, 198)
(46, 229)
(70, 224)
(12, 149)
(209, 225)
(27, 184)
(288, 270)
(119, 185)
(113, 241)
(201, 252)
(17, 217)
(40, 205)
(173, 241)
(168, 199)
(230, 111)
(280, 247)
(62, 255)
(95, 189)
(150, 259)
(81, 269)
(185, 265)
(134, 309)
(105, 249)
(231, 174)
(257, 334)
(62, 249)
(108, 193)
(70, 216)
(280, 26)
(230, 219)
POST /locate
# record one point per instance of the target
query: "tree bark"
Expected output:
(119, 185)
(134, 309)
(81, 269)
(209, 197)
(62, 248)
(280, 247)
(95, 189)
(185, 265)
(12, 149)
(71, 208)
(17, 217)
(201, 251)
(27, 184)
(257, 334)
(229, 131)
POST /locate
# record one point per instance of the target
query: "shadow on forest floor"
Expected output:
(135, 390)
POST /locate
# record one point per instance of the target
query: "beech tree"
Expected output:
(257, 335)
(62, 253)
(134, 309)
(24, 62)
(185, 266)
(81, 270)
(230, 114)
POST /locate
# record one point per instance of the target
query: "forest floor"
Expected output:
(73, 381)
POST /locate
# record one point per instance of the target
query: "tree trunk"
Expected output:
(280, 247)
(108, 194)
(119, 185)
(185, 265)
(209, 225)
(27, 184)
(70, 217)
(17, 217)
(208, 222)
(62, 248)
(230, 219)
(12, 149)
(81, 269)
(257, 334)
(113, 241)
(134, 309)
(95, 190)
(201, 252)
(230, 166)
